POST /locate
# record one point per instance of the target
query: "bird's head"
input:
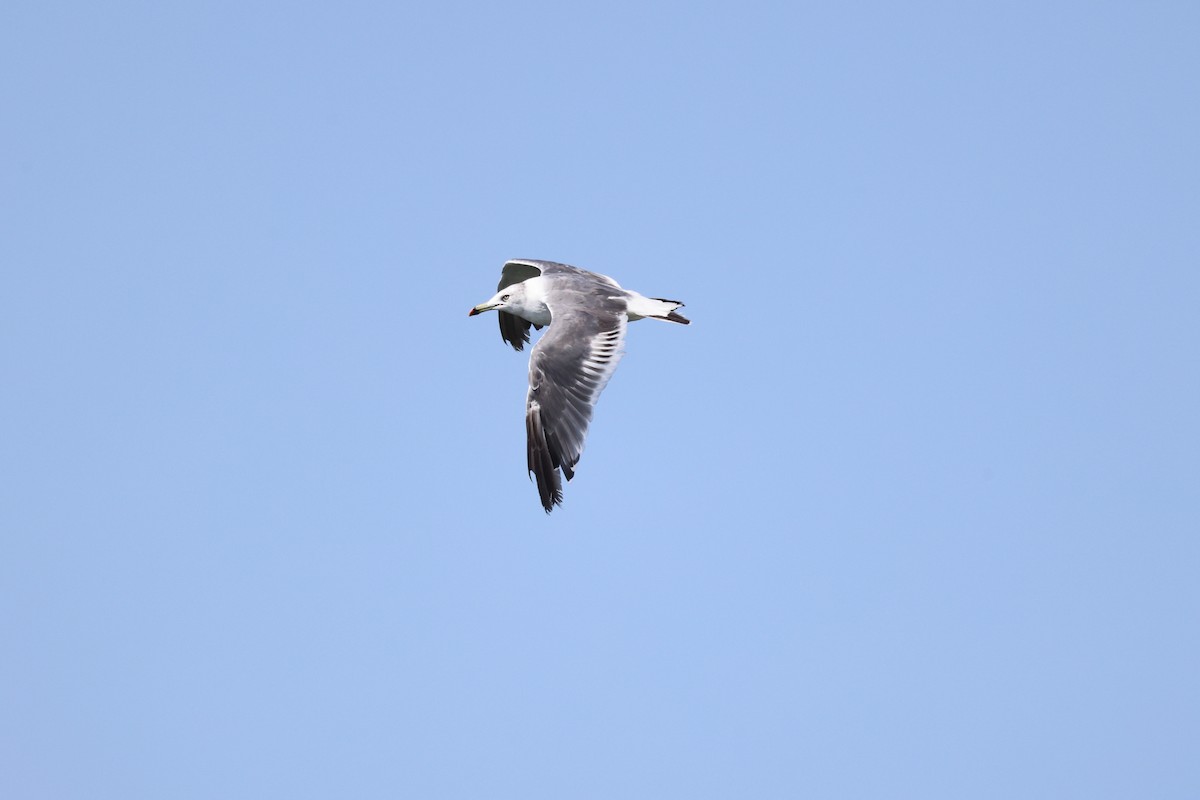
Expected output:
(508, 297)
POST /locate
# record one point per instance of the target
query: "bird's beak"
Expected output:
(479, 309)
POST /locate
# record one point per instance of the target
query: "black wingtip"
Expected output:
(541, 461)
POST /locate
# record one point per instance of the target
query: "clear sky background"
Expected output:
(909, 511)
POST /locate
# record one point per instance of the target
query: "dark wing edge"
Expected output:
(513, 329)
(543, 460)
(568, 370)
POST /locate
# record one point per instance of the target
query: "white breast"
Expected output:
(533, 308)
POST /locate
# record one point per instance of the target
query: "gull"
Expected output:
(573, 361)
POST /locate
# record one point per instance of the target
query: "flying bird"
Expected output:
(571, 364)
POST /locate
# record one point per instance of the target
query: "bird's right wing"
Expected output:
(513, 329)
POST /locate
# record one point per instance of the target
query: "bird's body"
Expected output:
(573, 361)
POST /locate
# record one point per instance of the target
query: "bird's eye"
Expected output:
(503, 297)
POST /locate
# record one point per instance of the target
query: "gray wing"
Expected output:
(568, 369)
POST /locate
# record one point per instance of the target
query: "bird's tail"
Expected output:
(656, 308)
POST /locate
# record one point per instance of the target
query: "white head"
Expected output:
(510, 298)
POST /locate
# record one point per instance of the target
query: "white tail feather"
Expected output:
(640, 307)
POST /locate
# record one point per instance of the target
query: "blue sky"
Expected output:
(910, 509)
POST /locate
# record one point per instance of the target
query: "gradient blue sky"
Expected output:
(909, 511)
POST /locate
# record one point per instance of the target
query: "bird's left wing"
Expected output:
(568, 369)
